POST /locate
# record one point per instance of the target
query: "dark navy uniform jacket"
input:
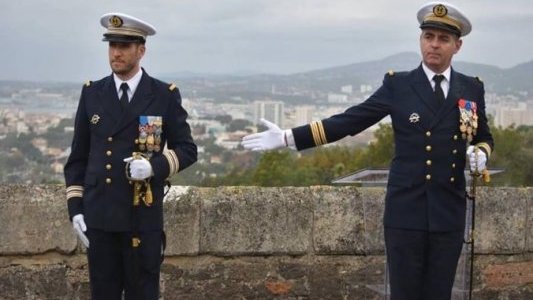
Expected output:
(426, 185)
(104, 135)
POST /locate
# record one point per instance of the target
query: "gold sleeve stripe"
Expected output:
(74, 191)
(173, 162)
(486, 147)
(314, 132)
(319, 135)
(322, 132)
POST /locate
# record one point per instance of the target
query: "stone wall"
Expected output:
(258, 243)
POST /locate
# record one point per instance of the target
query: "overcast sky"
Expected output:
(60, 40)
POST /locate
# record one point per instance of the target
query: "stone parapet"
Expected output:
(316, 242)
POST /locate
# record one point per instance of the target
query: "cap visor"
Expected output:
(122, 38)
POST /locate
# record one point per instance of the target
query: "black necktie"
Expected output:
(124, 98)
(439, 93)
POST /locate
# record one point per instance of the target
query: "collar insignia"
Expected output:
(94, 119)
(414, 118)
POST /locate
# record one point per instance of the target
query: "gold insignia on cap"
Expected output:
(88, 83)
(172, 87)
(390, 72)
(94, 119)
(440, 10)
(116, 21)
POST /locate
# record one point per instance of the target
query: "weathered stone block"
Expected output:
(34, 282)
(373, 207)
(338, 220)
(278, 277)
(508, 274)
(501, 220)
(34, 219)
(182, 221)
(255, 221)
(529, 225)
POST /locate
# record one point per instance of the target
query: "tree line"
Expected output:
(319, 166)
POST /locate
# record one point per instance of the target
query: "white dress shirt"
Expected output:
(132, 84)
(445, 84)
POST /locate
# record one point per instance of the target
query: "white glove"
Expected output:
(79, 227)
(139, 168)
(273, 138)
(477, 159)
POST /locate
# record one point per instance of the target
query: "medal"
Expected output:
(462, 127)
(467, 119)
(150, 134)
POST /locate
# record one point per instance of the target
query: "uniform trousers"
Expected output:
(422, 264)
(112, 261)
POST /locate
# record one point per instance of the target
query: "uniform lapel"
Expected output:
(454, 94)
(109, 98)
(141, 100)
(423, 88)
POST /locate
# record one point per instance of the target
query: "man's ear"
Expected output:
(142, 50)
(458, 45)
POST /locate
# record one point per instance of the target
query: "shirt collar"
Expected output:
(133, 82)
(430, 73)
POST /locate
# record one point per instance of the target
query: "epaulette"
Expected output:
(88, 83)
(390, 73)
(172, 87)
(479, 79)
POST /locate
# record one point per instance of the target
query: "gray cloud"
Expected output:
(60, 40)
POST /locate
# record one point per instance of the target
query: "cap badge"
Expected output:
(414, 118)
(440, 10)
(94, 119)
(115, 21)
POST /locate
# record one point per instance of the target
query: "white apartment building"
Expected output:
(271, 110)
(520, 113)
(303, 114)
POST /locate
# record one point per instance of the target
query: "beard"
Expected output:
(121, 67)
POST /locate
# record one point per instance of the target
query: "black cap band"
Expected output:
(120, 38)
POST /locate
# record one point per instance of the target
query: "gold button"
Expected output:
(428, 162)
(454, 151)
(455, 137)
(108, 166)
(453, 165)
(428, 133)
(108, 152)
(108, 180)
(428, 177)
(110, 139)
(452, 179)
(428, 148)
(136, 141)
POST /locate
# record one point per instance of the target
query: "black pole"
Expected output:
(472, 197)
(472, 250)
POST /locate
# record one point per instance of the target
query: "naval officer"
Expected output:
(131, 134)
(438, 115)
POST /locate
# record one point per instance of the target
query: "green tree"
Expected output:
(513, 153)
(238, 124)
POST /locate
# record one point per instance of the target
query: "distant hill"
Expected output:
(496, 79)
(515, 79)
